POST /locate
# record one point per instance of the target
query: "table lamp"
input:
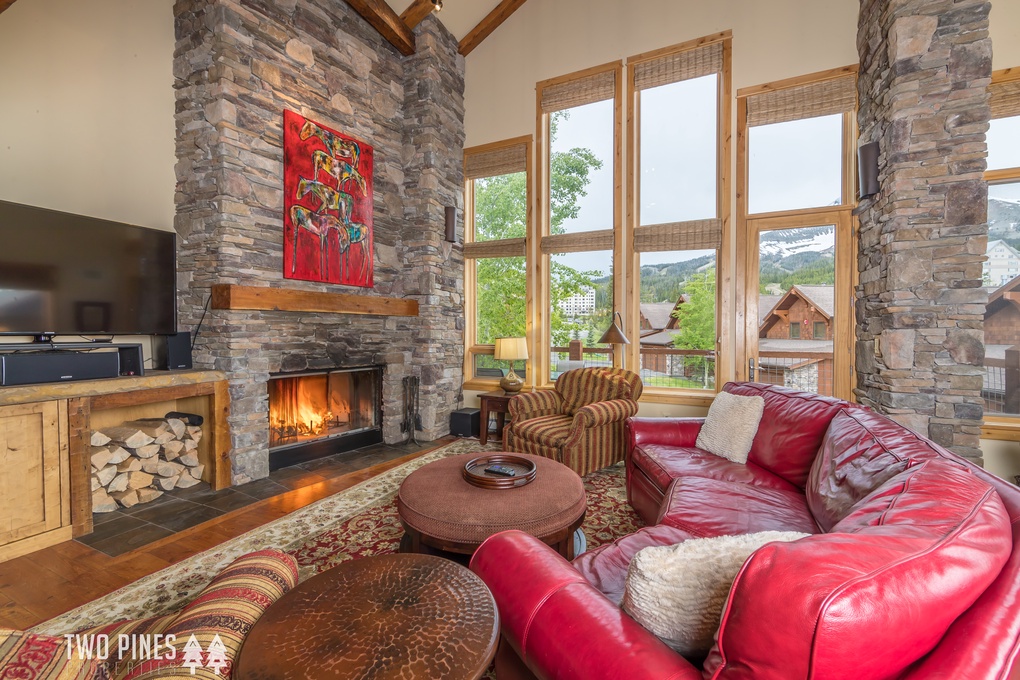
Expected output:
(511, 349)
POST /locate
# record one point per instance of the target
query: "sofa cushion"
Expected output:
(861, 450)
(708, 507)
(664, 463)
(605, 567)
(678, 591)
(791, 430)
(585, 386)
(867, 604)
(730, 426)
(546, 430)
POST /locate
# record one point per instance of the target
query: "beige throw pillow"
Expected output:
(731, 425)
(678, 591)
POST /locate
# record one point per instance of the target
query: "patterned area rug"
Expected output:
(357, 522)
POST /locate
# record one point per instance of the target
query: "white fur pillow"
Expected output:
(678, 591)
(731, 425)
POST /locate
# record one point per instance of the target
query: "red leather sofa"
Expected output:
(910, 571)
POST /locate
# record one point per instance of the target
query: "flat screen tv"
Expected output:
(64, 274)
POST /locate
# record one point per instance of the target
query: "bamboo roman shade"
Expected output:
(1005, 98)
(501, 161)
(820, 98)
(507, 247)
(578, 243)
(580, 91)
(692, 235)
(673, 68)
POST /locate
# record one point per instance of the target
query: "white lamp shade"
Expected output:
(511, 349)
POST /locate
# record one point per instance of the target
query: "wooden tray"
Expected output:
(474, 471)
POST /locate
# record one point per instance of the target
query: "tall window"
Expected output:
(578, 215)
(496, 227)
(680, 104)
(797, 169)
(1001, 271)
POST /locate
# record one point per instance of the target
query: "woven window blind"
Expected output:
(502, 161)
(507, 247)
(587, 90)
(822, 98)
(673, 68)
(1005, 98)
(578, 243)
(692, 235)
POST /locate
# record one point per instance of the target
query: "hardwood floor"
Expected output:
(54, 580)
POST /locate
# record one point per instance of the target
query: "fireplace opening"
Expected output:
(317, 414)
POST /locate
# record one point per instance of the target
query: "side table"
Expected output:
(497, 402)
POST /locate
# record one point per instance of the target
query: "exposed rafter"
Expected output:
(385, 20)
(4, 4)
(416, 12)
(489, 24)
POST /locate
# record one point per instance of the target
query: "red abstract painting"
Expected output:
(327, 204)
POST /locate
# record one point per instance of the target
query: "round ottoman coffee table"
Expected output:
(442, 511)
(387, 617)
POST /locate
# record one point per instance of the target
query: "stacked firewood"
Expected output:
(139, 460)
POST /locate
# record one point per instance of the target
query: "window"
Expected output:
(1001, 385)
(678, 210)
(497, 191)
(800, 261)
(579, 130)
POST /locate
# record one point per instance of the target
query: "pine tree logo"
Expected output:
(217, 657)
(193, 654)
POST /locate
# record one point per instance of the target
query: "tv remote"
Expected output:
(502, 470)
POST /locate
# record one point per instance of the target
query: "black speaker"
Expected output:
(25, 368)
(464, 422)
(130, 360)
(867, 169)
(172, 352)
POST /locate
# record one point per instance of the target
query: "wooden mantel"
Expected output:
(231, 296)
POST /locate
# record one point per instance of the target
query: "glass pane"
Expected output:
(501, 299)
(796, 308)
(678, 151)
(581, 293)
(501, 207)
(678, 319)
(795, 165)
(1004, 143)
(1001, 390)
(581, 168)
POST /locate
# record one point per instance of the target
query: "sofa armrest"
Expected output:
(535, 404)
(668, 431)
(560, 625)
(605, 412)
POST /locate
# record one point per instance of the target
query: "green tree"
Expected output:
(696, 317)
(501, 213)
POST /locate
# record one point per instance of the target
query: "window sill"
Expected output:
(654, 395)
(1005, 429)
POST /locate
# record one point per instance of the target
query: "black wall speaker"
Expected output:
(451, 224)
(172, 352)
(867, 169)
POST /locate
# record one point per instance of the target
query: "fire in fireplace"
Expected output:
(317, 414)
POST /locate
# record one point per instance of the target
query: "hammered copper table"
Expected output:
(388, 617)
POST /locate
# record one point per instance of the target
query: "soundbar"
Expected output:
(25, 368)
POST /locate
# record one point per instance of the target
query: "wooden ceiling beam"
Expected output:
(4, 4)
(489, 24)
(385, 20)
(416, 12)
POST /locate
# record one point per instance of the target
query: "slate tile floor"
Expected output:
(124, 530)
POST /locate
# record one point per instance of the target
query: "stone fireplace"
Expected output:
(317, 414)
(238, 65)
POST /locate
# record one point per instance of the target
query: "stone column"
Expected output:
(434, 179)
(925, 70)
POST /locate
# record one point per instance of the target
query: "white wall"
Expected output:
(87, 113)
(547, 38)
(1005, 31)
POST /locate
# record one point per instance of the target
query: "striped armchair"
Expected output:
(580, 423)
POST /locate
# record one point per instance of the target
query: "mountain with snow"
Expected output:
(1003, 219)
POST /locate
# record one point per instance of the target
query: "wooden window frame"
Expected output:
(472, 348)
(539, 331)
(750, 226)
(632, 258)
(997, 426)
